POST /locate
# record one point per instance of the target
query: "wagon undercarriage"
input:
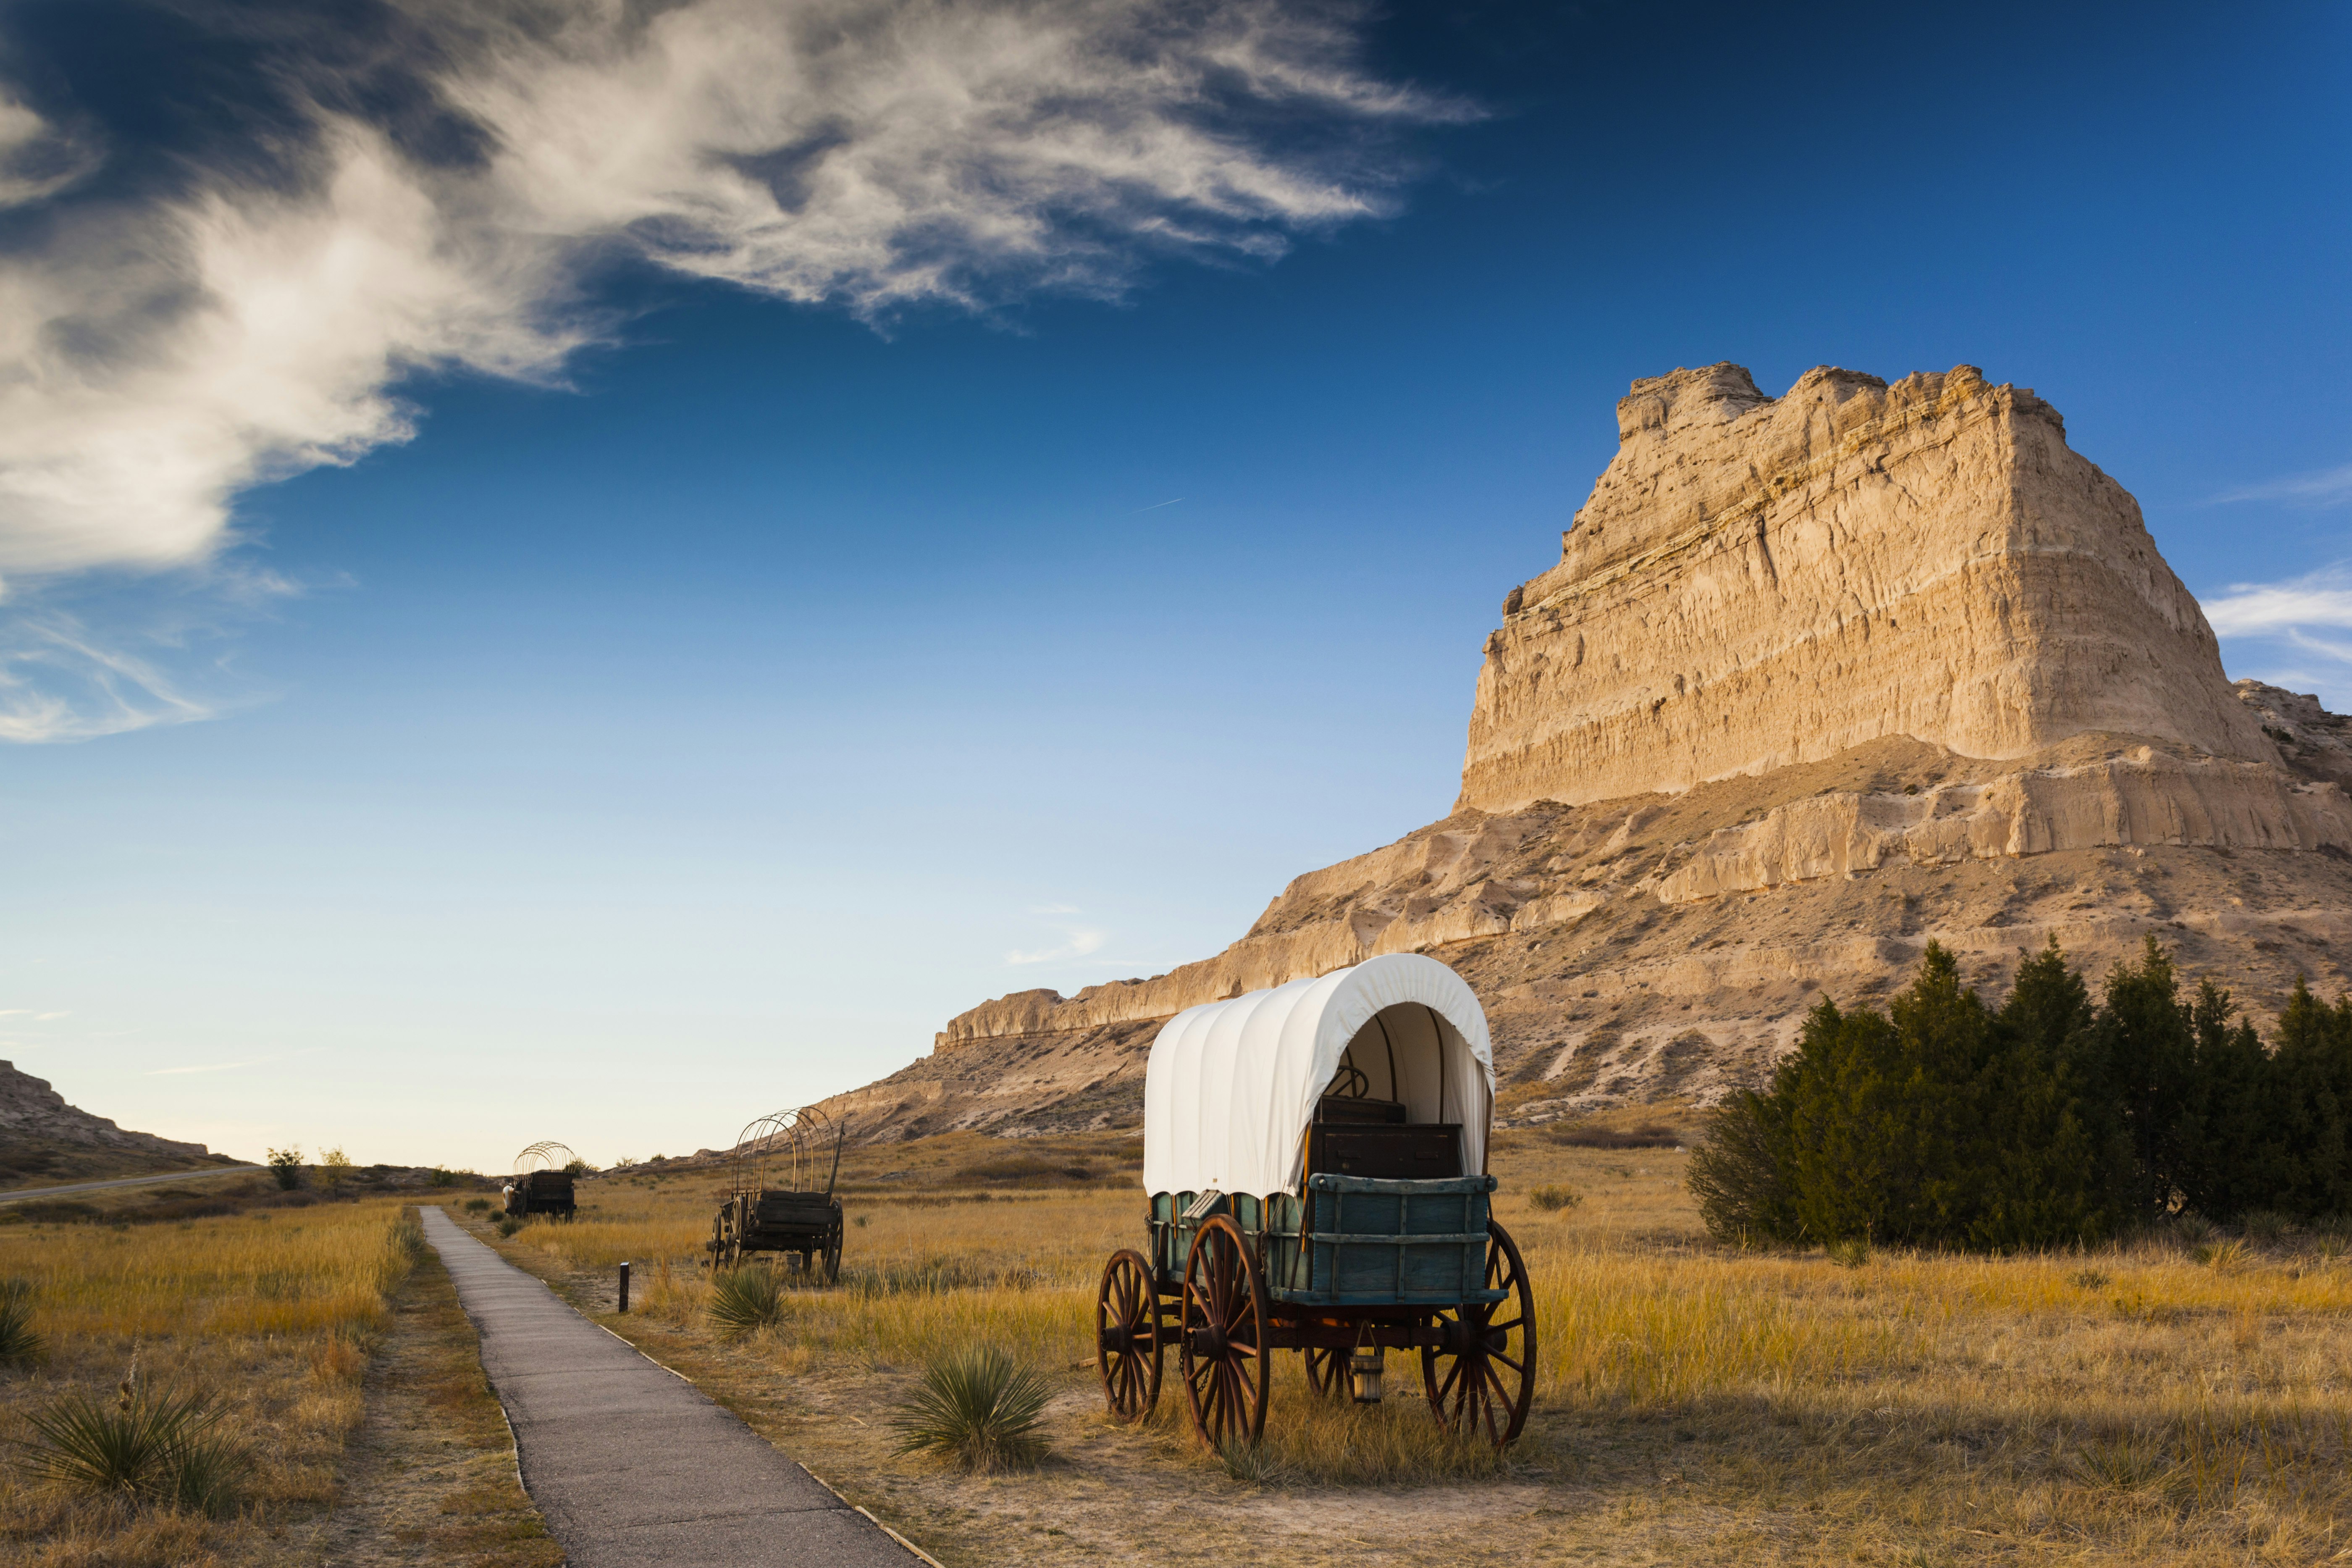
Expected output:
(1477, 1356)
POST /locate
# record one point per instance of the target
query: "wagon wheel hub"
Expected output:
(1208, 1340)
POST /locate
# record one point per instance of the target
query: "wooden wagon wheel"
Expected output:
(725, 1246)
(1327, 1371)
(1481, 1377)
(833, 1258)
(1127, 1335)
(1222, 1352)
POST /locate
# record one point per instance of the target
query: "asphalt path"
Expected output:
(19, 1194)
(629, 1464)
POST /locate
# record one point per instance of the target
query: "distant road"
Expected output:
(20, 1194)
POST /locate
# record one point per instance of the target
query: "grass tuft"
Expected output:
(979, 1409)
(141, 1447)
(2126, 1463)
(1253, 1463)
(1552, 1199)
(745, 1299)
(2221, 1257)
(20, 1343)
(1851, 1253)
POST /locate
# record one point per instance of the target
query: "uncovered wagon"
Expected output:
(774, 1204)
(542, 1183)
(1315, 1160)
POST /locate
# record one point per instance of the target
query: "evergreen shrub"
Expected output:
(2047, 1122)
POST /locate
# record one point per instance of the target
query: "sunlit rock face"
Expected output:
(1818, 680)
(1757, 582)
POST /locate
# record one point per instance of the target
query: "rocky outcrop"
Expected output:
(1817, 680)
(1757, 582)
(30, 1112)
(2311, 741)
(2142, 797)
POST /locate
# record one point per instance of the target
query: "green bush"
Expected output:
(745, 1299)
(286, 1165)
(508, 1226)
(143, 1446)
(19, 1343)
(478, 1206)
(979, 1409)
(1943, 1121)
(1552, 1199)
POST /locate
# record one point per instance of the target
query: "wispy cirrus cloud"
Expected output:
(433, 185)
(2330, 487)
(59, 683)
(1079, 942)
(2279, 632)
(2322, 598)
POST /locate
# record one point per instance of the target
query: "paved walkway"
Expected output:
(630, 1466)
(19, 1194)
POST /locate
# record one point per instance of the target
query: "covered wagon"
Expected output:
(1315, 1157)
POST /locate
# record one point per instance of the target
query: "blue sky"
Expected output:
(502, 652)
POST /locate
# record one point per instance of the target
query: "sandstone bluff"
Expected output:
(1815, 680)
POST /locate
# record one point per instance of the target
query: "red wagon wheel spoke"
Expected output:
(1490, 1348)
(1127, 1335)
(1223, 1336)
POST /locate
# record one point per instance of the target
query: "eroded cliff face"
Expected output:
(1757, 582)
(1817, 680)
(30, 1111)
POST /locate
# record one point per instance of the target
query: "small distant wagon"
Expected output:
(1315, 1160)
(774, 1204)
(542, 1183)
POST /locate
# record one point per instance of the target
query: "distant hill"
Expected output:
(46, 1141)
(1816, 680)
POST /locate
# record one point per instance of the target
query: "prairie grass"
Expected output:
(2125, 1403)
(265, 1318)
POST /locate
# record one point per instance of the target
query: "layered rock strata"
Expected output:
(1817, 680)
(1755, 582)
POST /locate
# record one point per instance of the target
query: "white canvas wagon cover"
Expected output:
(1232, 1085)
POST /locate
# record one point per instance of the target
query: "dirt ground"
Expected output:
(1698, 1405)
(430, 1476)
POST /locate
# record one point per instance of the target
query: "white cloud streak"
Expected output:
(1081, 942)
(58, 683)
(2332, 487)
(2322, 598)
(160, 355)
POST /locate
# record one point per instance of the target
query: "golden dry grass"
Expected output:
(1696, 1403)
(274, 1313)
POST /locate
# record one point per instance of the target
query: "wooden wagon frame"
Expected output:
(1294, 1207)
(542, 1183)
(787, 1218)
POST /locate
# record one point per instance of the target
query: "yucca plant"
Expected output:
(18, 1342)
(141, 1447)
(746, 1299)
(979, 1409)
